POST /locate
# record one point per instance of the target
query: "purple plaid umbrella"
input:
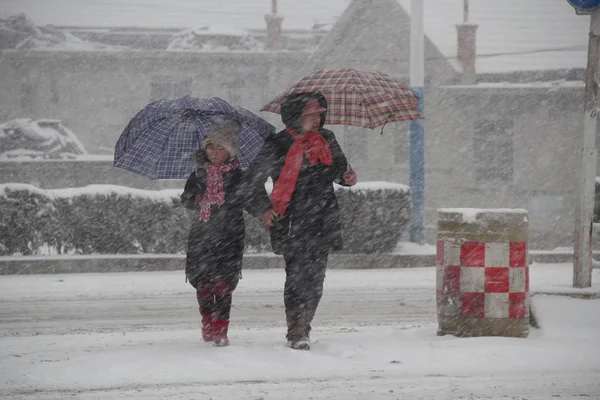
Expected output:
(161, 140)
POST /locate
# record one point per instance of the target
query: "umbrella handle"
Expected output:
(389, 118)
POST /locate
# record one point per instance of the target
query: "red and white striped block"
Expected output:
(488, 280)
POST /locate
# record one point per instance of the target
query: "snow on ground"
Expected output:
(543, 278)
(414, 248)
(351, 358)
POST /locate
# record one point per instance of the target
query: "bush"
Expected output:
(104, 219)
(28, 220)
(374, 216)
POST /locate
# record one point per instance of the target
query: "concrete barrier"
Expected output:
(482, 272)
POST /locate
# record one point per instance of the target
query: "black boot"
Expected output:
(296, 334)
(309, 315)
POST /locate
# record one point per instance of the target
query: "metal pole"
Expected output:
(584, 211)
(417, 131)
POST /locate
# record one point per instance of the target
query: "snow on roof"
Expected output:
(28, 36)
(562, 84)
(210, 40)
(245, 14)
(513, 35)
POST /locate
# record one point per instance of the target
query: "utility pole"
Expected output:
(584, 211)
(417, 130)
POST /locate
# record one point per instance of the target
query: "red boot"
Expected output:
(207, 327)
(220, 333)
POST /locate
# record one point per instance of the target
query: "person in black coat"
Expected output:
(302, 211)
(216, 238)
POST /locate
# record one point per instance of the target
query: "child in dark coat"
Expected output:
(216, 237)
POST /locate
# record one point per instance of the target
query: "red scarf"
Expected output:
(215, 193)
(315, 148)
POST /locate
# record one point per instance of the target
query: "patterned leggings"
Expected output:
(215, 298)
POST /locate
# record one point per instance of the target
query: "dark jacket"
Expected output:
(216, 247)
(313, 216)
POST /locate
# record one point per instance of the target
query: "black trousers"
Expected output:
(305, 268)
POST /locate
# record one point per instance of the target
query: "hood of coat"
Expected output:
(293, 105)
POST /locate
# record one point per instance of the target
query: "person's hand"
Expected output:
(269, 217)
(350, 177)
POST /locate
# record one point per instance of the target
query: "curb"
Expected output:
(23, 265)
(573, 295)
(174, 262)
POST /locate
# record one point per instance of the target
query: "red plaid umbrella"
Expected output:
(357, 98)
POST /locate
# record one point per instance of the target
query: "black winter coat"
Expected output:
(313, 216)
(216, 247)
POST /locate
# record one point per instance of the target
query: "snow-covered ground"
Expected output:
(136, 336)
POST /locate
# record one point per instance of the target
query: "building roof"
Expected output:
(375, 35)
(513, 35)
(242, 14)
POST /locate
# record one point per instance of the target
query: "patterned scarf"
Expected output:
(316, 149)
(215, 193)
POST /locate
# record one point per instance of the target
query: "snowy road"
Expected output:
(62, 304)
(518, 387)
(135, 336)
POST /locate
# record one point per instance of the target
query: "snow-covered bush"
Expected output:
(374, 216)
(46, 139)
(214, 40)
(104, 219)
(28, 220)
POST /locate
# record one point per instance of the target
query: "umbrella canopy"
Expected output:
(357, 98)
(161, 140)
